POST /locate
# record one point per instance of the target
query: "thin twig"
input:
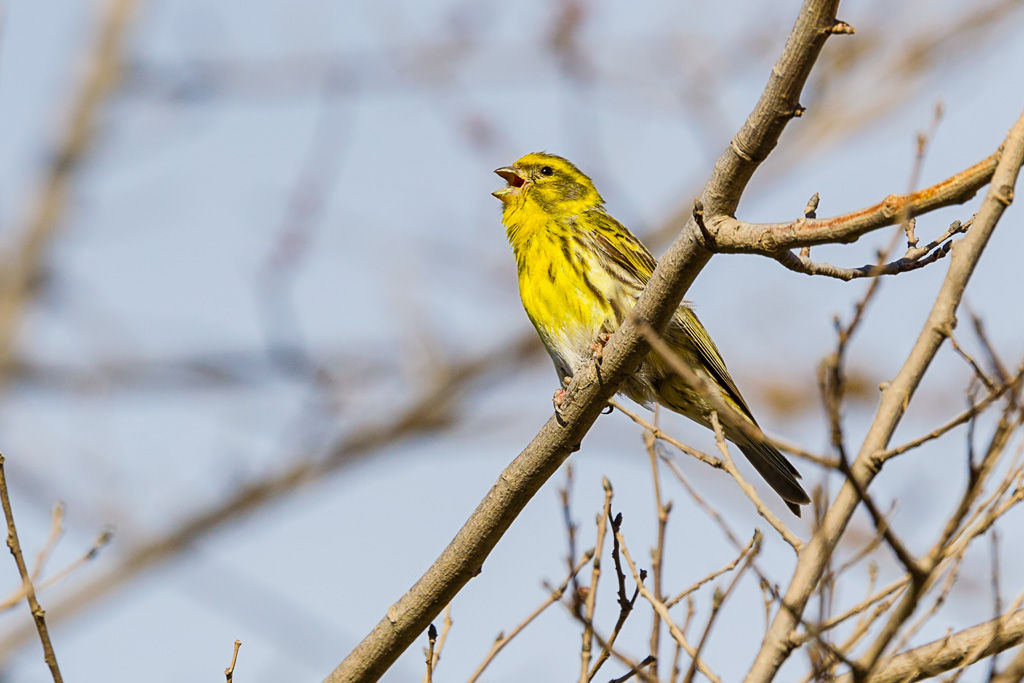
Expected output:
(649, 660)
(978, 372)
(446, 627)
(658, 552)
(716, 605)
(20, 273)
(993, 358)
(626, 660)
(886, 592)
(625, 604)
(735, 236)
(776, 646)
(102, 540)
(428, 677)
(38, 615)
(805, 265)
(751, 492)
(56, 530)
(657, 433)
(595, 575)
(229, 673)
(676, 632)
(975, 409)
(565, 495)
(554, 596)
(754, 542)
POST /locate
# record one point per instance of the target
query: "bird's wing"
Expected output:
(631, 258)
(712, 359)
(620, 248)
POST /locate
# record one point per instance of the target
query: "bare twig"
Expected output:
(56, 530)
(657, 433)
(704, 505)
(915, 257)
(556, 594)
(101, 541)
(978, 372)
(658, 605)
(751, 492)
(625, 604)
(21, 272)
(428, 677)
(951, 651)
(805, 265)
(895, 395)
(977, 408)
(1014, 671)
(770, 239)
(754, 542)
(625, 659)
(716, 605)
(565, 495)
(38, 615)
(229, 673)
(595, 575)
(892, 589)
(425, 414)
(658, 552)
(649, 660)
(979, 330)
(446, 628)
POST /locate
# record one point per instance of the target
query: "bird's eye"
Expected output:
(547, 170)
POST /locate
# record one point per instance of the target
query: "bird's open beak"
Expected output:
(515, 183)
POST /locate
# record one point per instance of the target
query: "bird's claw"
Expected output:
(559, 398)
(597, 346)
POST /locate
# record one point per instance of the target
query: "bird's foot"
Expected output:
(597, 347)
(558, 398)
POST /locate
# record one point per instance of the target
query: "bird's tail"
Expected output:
(775, 470)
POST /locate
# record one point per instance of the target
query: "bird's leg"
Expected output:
(560, 394)
(597, 346)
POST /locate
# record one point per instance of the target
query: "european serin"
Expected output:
(580, 273)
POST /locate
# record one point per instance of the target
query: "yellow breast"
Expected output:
(565, 292)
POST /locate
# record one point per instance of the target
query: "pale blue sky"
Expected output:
(182, 200)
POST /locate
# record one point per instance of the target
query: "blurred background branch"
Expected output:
(250, 251)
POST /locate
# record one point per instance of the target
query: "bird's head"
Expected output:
(554, 184)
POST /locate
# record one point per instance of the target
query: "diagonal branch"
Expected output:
(949, 652)
(730, 235)
(895, 397)
(799, 263)
(595, 384)
(425, 414)
(22, 270)
(38, 614)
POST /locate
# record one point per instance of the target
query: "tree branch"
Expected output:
(38, 615)
(730, 235)
(895, 397)
(595, 384)
(21, 272)
(949, 652)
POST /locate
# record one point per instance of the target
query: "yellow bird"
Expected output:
(581, 272)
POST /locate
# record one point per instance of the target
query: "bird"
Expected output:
(580, 273)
